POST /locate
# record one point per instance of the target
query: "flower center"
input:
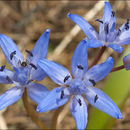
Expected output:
(76, 86)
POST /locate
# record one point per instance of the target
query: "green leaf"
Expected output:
(117, 87)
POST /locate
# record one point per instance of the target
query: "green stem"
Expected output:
(33, 115)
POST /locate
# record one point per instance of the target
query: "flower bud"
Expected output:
(126, 61)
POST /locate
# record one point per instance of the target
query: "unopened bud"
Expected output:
(126, 61)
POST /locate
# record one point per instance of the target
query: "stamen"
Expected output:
(62, 94)
(127, 24)
(79, 101)
(99, 20)
(92, 81)
(2, 68)
(106, 28)
(95, 99)
(12, 54)
(29, 81)
(33, 66)
(24, 64)
(66, 78)
(128, 21)
(112, 14)
(29, 52)
(119, 32)
(80, 67)
(8, 78)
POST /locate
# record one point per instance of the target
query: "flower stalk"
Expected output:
(117, 68)
(31, 112)
(55, 117)
(98, 56)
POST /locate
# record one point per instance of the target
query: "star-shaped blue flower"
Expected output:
(78, 86)
(126, 61)
(108, 36)
(25, 72)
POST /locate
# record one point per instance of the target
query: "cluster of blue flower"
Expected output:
(36, 67)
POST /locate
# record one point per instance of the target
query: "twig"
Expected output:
(9, 10)
(62, 115)
(31, 112)
(75, 30)
(2, 121)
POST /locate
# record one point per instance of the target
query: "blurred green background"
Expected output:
(24, 22)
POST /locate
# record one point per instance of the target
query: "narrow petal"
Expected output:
(84, 25)
(37, 92)
(107, 12)
(39, 51)
(98, 72)
(56, 72)
(108, 22)
(94, 43)
(124, 41)
(109, 16)
(123, 34)
(56, 98)
(6, 76)
(79, 62)
(126, 61)
(116, 47)
(101, 101)
(10, 96)
(10, 50)
(37, 74)
(78, 108)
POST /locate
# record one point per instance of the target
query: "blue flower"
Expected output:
(126, 61)
(108, 36)
(78, 86)
(25, 72)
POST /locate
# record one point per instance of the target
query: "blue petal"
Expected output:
(94, 43)
(38, 74)
(56, 72)
(79, 62)
(84, 25)
(9, 47)
(124, 41)
(116, 47)
(78, 108)
(10, 96)
(107, 12)
(56, 98)
(6, 76)
(124, 37)
(101, 101)
(37, 92)
(126, 61)
(39, 51)
(98, 72)
(109, 17)
(109, 20)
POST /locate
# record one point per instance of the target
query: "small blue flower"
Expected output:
(78, 86)
(126, 61)
(25, 72)
(107, 36)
